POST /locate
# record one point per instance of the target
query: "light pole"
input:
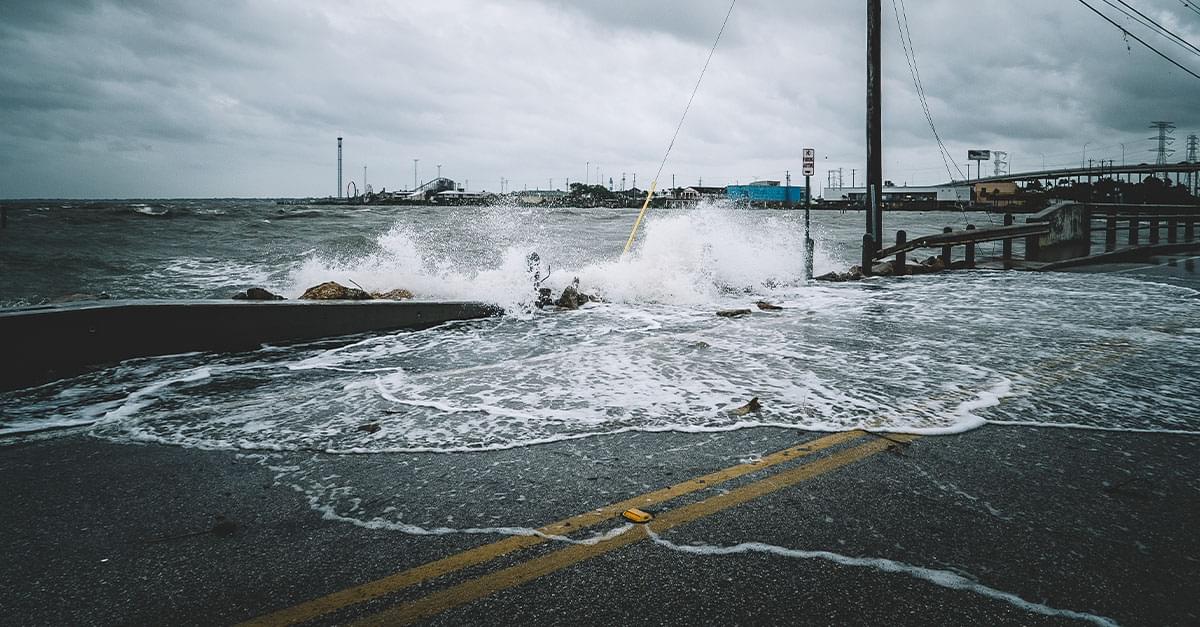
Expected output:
(415, 174)
(439, 166)
(1122, 155)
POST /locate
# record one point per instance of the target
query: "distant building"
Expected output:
(765, 193)
(994, 190)
(917, 195)
(539, 196)
(698, 193)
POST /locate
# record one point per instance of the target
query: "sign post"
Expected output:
(810, 157)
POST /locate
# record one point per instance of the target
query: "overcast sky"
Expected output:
(192, 99)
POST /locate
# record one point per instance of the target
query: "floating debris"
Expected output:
(635, 515)
(752, 407)
(765, 306)
(733, 313)
(371, 427)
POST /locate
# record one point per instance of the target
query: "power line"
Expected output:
(1138, 39)
(694, 90)
(910, 56)
(1191, 6)
(1149, 23)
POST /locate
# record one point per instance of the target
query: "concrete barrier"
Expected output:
(1070, 233)
(53, 341)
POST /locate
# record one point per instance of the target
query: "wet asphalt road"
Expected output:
(1101, 524)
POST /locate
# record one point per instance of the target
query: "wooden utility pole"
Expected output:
(874, 125)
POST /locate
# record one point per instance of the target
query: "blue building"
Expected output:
(765, 193)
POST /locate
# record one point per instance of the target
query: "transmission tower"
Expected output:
(1164, 139)
(1001, 162)
(1193, 147)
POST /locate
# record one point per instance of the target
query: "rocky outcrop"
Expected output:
(572, 298)
(331, 290)
(765, 306)
(733, 313)
(397, 294)
(887, 268)
(256, 293)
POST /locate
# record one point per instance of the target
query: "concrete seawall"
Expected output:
(44, 343)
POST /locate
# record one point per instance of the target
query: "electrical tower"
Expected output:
(1193, 147)
(1164, 139)
(1000, 163)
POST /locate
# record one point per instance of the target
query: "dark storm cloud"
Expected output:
(245, 98)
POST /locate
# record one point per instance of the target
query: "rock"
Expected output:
(256, 293)
(371, 427)
(934, 264)
(765, 306)
(733, 313)
(886, 268)
(752, 406)
(571, 298)
(331, 290)
(831, 277)
(397, 294)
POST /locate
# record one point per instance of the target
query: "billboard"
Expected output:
(979, 155)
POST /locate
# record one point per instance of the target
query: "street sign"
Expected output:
(979, 155)
(810, 155)
(809, 169)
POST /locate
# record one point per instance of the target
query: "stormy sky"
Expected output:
(226, 98)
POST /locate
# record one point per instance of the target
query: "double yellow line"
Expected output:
(525, 572)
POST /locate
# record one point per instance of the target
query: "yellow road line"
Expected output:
(387, 585)
(513, 576)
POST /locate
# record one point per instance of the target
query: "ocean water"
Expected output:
(928, 355)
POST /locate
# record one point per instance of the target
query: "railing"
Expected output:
(1155, 222)
(949, 238)
(1060, 236)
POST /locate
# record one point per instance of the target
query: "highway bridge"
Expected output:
(1100, 170)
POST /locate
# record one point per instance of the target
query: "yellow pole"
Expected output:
(633, 233)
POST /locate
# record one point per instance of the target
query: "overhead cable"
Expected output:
(1138, 39)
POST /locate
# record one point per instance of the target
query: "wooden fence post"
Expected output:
(970, 249)
(900, 268)
(868, 254)
(946, 250)
(1006, 251)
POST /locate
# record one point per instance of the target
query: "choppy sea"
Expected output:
(930, 354)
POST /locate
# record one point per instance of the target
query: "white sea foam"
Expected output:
(942, 578)
(689, 257)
